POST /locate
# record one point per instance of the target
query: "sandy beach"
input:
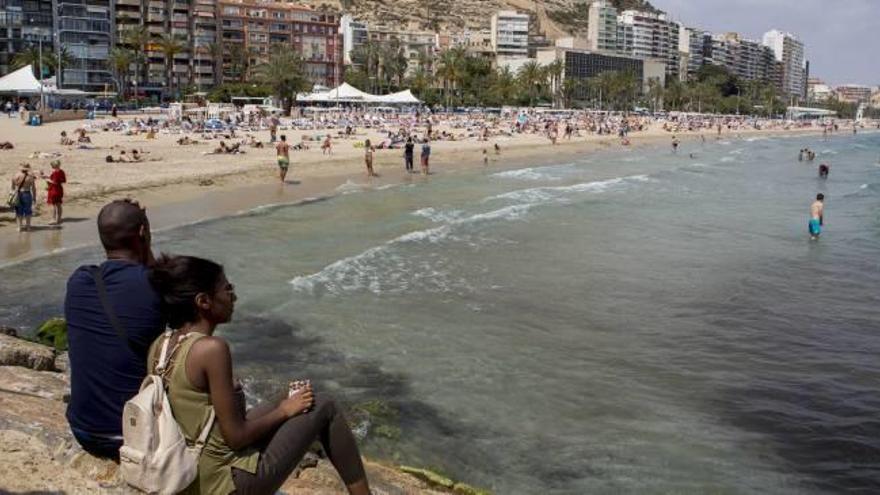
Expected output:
(180, 184)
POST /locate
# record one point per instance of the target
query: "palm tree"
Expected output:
(395, 63)
(170, 46)
(504, 86)
(215, 51)
(367, 57)
(420, 82)
(554, 72)
(236, 62)
(137, 39)
(531, 76)
(31, 56)
(283, 71)
(121, 60)
(655, 93)
(451, 70)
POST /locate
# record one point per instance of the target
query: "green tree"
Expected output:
(532, 77)
(31, 56)
(138, 40)
(170, 46)
(284, 72)
(450, 70)
(121, 60)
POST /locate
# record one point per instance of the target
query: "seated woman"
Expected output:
(66, 141)
(246, 452)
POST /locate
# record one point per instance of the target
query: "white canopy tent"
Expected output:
(21, 82)
(346, 93)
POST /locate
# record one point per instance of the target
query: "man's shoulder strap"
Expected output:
(95, 271)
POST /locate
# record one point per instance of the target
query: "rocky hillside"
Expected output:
(554, 18)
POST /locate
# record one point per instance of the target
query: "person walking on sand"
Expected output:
(282, 154)
(55, 193)
(408, 151)
(327, 146)
(24, 187)
(426, 156)
(817, 216)
(368, 158)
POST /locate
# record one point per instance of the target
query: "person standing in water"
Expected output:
(282, 152)
(823, 170)
(674, 144)
(817, 214)
(408, 151)
(368, 158)
(426, 156)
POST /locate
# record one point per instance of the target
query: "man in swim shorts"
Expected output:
(817, 211)
(282, 150)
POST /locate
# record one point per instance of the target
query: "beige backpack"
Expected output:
(155, 457)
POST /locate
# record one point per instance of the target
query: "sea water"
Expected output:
(630, 321)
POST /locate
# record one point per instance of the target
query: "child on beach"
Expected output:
(485, 157)
(55, 182)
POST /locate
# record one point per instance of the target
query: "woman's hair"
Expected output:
(178, 279)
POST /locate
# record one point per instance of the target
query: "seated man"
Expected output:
(113, 315)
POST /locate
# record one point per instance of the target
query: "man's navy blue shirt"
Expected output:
(104, 371)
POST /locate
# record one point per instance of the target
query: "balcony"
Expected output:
(123, 14)
(135, 3)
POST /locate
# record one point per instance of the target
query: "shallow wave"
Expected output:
(350, 187)
(383, 269)
(534, 173)
(436, 215)
(547, 193)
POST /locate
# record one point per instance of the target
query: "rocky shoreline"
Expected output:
(38, 453)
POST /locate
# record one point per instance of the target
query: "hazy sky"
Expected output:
(842, 37)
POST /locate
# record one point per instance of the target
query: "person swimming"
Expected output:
(817, 213)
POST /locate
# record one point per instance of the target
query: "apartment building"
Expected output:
(354, 34)
(417, 46)
(85, 28)
(510, 34)
(192, 23)
(747, 59)
(788, 52)
(653, 36)
(256, 27)
(24, 24)
(602, 28)
(854, 93)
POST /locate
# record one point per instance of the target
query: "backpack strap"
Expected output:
(164, 355)
(108, 309)
(203, 437)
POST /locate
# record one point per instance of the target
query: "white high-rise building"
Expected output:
(602, 28)
(354, 33)
(789, 52)
(510, 34)
(653, 36)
